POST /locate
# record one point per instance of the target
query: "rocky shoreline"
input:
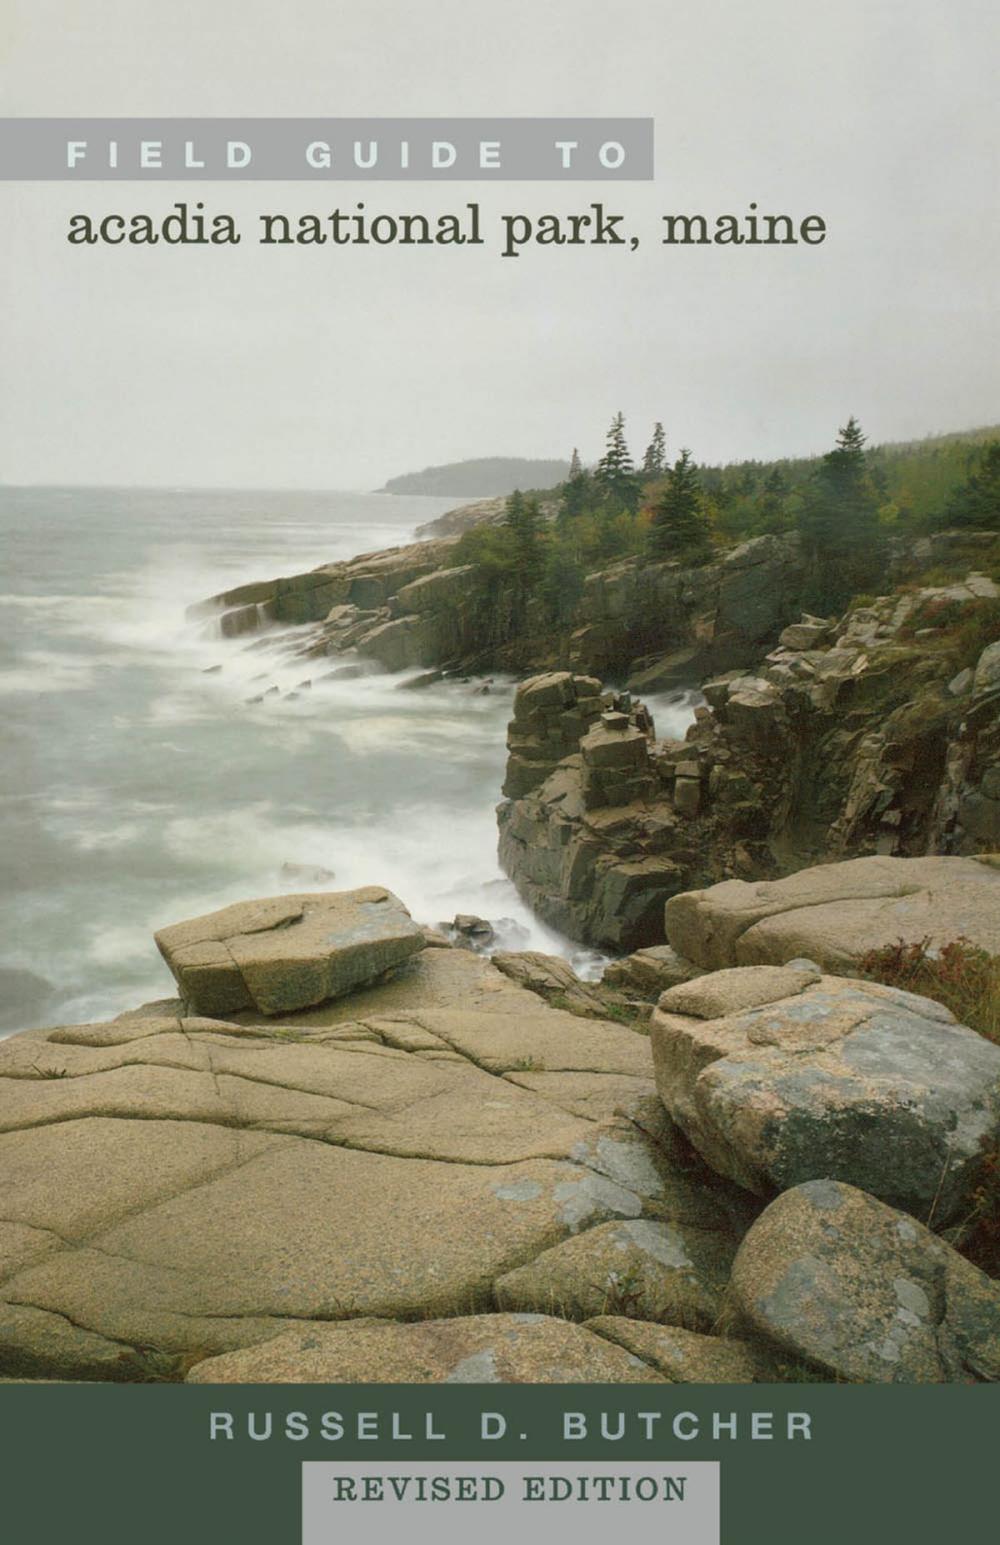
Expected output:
(410, 608)
(353, 1148)
(347, 1121)
(868, 735)
(818, 738)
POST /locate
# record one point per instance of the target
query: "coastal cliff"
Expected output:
(414, 607)
(878, 733)
(818, 737)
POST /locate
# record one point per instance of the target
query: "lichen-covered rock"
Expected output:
(778, 1075)
(836, 914)
(652, 1270)
(469, 1349)
(288, 952)
(687, 1356)
(867, 1294)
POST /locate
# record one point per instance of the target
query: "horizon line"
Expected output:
(873, 445)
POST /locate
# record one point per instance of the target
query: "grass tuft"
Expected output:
(966, 980)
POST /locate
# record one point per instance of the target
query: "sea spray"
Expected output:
(143, 786)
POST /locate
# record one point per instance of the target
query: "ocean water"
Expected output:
(140, 785)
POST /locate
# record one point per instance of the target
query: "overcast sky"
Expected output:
(337, 367)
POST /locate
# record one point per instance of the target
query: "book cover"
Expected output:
(500, 978)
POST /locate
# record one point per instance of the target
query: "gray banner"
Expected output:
(450, 1503)
(334, 149)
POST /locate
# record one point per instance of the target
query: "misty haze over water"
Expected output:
(140, 786)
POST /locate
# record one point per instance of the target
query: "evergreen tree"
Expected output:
(575, 494)
(977, 502)
(561, 585)
(850, 439)
(838, 522)
(525, 521)
(616, 475)
(679, 525)
(655, 459)
(771, 514)
(514, 509)
(775, 484)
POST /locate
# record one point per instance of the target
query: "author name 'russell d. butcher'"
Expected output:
(604, 1426)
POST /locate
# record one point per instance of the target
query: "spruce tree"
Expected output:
(838, 523)
(977, 502)
(679, 526)
(772, 501)
(616, 475)
(526, 522)
(575, 493)
(775, 484)
(655, 459)
(514, 509)
(561, 585)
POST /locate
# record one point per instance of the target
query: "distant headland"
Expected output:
(480, 477)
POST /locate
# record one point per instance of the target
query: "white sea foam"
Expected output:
(47, 671)
(145, 787)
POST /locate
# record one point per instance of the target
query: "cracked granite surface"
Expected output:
(178, 1188)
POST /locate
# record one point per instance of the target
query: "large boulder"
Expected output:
(687, 1356)
(779, 1075)
(836, 914)
(864, 1293)
(673, 1272)
(288, 952)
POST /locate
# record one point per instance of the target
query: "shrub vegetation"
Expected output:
(847, 506)
(967, 981)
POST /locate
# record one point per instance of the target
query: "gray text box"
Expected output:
(326, 149)
(657, 1503)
